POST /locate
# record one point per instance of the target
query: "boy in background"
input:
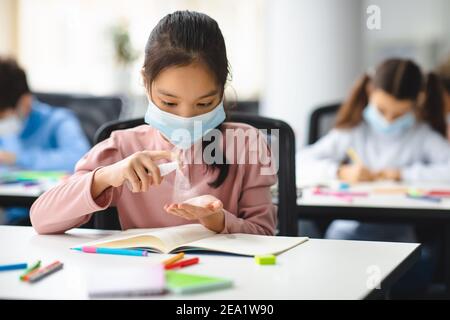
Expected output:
(34, 135)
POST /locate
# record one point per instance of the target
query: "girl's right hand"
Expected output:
(355, 173)
(139, 170)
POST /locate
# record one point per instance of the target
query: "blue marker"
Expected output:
(123, 252)
(18, 266)
(344, 186)
(425, 198)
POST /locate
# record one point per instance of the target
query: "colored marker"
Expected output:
(354, 157)
(439, 193)
(30, 269)
(39, 274)
(321, 192)
(343, 186)
(123, 252)
(182, 264)
(425, 198)
(346, 196)
(31, 184)
(17, 266)
(415, 192)
(174, 259)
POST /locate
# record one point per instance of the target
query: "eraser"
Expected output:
(266, 259)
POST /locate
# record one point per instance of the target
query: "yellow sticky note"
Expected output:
(266, 260)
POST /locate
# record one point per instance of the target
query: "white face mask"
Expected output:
(12, 125)
(376, 120)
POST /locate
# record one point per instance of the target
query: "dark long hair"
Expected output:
(179, 39)
(403, 80)
(443, 72)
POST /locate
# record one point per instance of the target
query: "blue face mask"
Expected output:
(377, 121)
(11, 126)
(184, 132)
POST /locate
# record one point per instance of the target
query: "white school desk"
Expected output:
(382, 207)
(24, 194)
(316, 269)
(377, 199)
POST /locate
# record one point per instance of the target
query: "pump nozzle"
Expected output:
(166, 168)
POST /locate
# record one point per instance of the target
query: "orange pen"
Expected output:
(174, 259)
(182, 264)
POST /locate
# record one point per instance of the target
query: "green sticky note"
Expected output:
(182, 283)
(266, 260)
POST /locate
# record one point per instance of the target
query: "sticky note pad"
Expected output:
(265, 260)
(182, 283)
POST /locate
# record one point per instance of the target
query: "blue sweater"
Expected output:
(51, 139)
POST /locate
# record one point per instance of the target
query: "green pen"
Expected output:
(32, 268)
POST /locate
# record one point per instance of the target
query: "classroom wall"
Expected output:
(316, 49)
(419, 29)
(75, 38)
(313, 55)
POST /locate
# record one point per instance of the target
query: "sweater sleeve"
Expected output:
(435, 164)
(71, 145)
(321, 160)
(70, 204)
(256, 212)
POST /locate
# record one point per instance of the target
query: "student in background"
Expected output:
(34, 135)
(444, 73)
(394, 121)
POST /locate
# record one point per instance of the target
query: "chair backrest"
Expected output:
(322, 121)
(248, 106)
(287, 197)
(92, 111)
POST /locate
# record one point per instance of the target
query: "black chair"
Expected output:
(287, 219)
(248, 106)
(322, 121)
(92, 111)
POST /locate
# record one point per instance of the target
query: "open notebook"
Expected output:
(197, 237)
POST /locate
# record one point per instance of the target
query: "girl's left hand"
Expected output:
(207, 209)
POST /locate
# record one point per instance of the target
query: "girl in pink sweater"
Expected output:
(184, 74)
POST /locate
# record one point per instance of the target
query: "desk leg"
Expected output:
(447, 258)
